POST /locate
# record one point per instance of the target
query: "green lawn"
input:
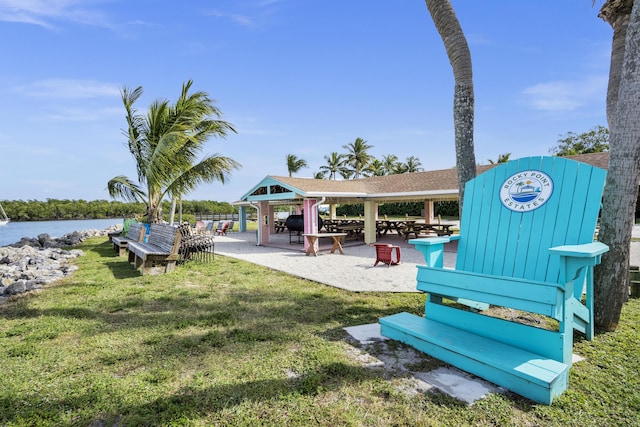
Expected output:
(231, 343)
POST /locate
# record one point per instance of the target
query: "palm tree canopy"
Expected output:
(358, 156)
(294, 164)
(335, 164)
(166, 144)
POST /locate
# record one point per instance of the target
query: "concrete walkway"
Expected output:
(353, 271)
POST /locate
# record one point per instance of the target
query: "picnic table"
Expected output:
(417, 229)
(350, 230)
(386, 225)
(280, 225)
(312, 238)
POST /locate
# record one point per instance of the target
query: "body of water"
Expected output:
(14, 231)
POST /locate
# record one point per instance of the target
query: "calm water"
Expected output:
(14, 231)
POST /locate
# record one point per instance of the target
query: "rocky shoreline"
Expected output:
(31, 263)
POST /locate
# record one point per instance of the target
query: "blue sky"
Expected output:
(294, 77)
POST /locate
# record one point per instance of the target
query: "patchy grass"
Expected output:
(231, 343)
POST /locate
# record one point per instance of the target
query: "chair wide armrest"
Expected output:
(432, 250)
(573, 258)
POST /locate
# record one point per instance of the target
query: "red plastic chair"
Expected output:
(384, 254)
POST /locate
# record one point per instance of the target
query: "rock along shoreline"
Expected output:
(31, 263)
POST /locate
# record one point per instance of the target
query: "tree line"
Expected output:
(55, 209)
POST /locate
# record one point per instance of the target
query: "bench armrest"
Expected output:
(432, 249)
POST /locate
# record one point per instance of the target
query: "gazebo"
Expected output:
(427, 187)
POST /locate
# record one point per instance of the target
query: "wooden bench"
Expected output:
(525, 252)
(160, 249)
(135, 233)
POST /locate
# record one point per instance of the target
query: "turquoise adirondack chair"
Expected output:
(526, 243)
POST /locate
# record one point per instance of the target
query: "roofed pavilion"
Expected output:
(427, 187)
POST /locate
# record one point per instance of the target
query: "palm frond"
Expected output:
(123, 188)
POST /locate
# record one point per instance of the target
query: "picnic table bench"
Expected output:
(160, 249)
(135, 233)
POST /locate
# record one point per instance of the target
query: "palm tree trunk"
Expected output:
(621, 189)
(455, 43)
(616, 13)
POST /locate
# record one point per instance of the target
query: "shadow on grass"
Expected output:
(197, 311)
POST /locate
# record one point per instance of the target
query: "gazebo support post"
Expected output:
(370, 214)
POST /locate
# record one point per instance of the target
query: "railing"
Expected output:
(251, 216)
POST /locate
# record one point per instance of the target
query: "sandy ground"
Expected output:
(353, 271)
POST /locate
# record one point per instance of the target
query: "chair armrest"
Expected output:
(573, 258)
(432, 249)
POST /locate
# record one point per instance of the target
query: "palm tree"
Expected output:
(375, 168)
(294, 164)
(165, 145)
(391, 164)
(502, 158)
(611, 278)
(357, 156)
(318, 175)
(455, 43)
(413, 164)
(335, 164)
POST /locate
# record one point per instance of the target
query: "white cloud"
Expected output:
(242, 20)
(46, 12)
(70, 88)
(566, 96)
(81, 115)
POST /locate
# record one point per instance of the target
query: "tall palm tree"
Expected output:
(391, 163)
(611, 278)
(165, 145)
(455, 43)
(335, 164)
(294, 164)
(358, 156)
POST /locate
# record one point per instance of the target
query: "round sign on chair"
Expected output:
(526, 191)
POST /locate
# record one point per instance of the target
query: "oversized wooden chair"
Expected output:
(526, 244)
(384, 254)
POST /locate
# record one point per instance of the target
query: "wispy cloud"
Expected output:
(566, 96)
(257, 11)
(70, 88)
(240, 19)
(48, 13)
(82, 115)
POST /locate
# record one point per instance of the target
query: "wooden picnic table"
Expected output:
(350, 230)
(280, 225)
(313, 237)
(417, 229)
(386, 225)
